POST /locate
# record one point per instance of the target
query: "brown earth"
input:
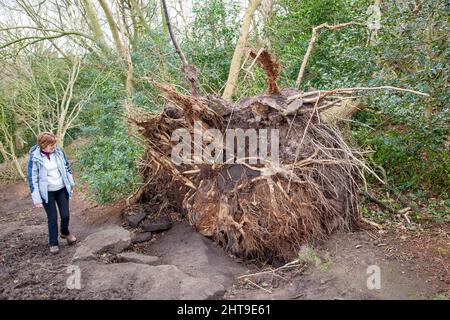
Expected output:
(413, 264)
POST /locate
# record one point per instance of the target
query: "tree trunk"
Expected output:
(12, 156)
(341, 112)
(136, 11)
(123, 13)
(93, 22)
(113, 27)
(190, 71)
(164, 21)
(129, 82)
(18, 167)
(239, 50)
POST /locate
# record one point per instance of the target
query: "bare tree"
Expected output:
(137, 12)
(56, 111)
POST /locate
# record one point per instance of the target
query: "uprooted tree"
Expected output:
(265, 210)
(254, 207)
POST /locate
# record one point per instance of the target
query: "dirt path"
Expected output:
(27, 269)
(340, 268)
(412, 265)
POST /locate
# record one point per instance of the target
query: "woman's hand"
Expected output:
(38, 205)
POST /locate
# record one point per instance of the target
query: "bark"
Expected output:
(113, 27)
(342, 111)
(239, 50)
(164, 20)
(18, 167)
(136, 11)
(12, 152)
(93, 22)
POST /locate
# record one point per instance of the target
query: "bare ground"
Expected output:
(413, 264)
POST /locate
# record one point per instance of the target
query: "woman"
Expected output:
(51, 183)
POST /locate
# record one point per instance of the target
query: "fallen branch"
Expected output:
(379, 202)
(258, 286)
(352, 90)
(376, 225)
(324, 93)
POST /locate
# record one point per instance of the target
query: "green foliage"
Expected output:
(108, 166)
(339, 57)
(408, 134)
(212, 41)
(413, 155)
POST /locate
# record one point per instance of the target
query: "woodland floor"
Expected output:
(413, 264)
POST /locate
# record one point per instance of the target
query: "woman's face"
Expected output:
(50, 148)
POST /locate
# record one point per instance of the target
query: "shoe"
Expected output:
(54, 249)
(70, 238)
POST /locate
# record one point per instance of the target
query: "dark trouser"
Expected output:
(60, 197)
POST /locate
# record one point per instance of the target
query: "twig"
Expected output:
(247, 70)
(376, 225)
(294, 263)
(258, 286)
